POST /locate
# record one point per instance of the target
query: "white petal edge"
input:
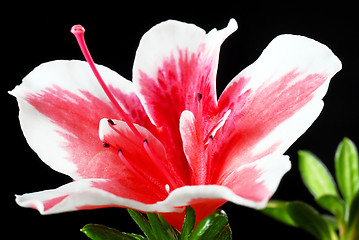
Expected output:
(172, 35)
(74, 76)
(303, 55)
(271, 168)
(81, 193)
(286, 133)
(286, 53)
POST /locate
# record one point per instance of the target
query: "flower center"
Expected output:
(79, 33)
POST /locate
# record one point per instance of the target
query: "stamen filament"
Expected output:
(150, 154)
(199, 117)
(158, 163)
(156, 187)
(79, 33)
(201, 175)
(209, 160)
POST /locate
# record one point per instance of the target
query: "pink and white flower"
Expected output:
(164, 140)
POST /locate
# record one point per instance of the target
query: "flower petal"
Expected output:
(61, 104)
(174, 62)
(145, 157)
(89, 194)
(193, 147)
(198, 148)
(96, 193)
(202, 208)
(250, 185)
(274, 100)
(257, 181)
(175, 69)
(204, 199)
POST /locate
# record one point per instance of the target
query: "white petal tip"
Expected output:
(14, 92)
(232, 24)
(11, 93)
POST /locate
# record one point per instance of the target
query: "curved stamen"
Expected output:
(201, 175)
(157, 188)
(209, 160)
(158, 163)
(151, 155)
(79, 33)
(212, 133)
(199, 108)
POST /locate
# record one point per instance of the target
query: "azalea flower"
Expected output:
(164, 140)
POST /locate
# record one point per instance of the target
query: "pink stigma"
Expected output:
(76, 29)
(79, 32)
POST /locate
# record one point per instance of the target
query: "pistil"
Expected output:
(79, 33)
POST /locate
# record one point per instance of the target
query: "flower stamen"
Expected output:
(199, 117)
(111, 122)
(79, 33)
(218, 126)
(199, 97)
(139, 174)
(201, 176)
(159, 164)
(209, 159)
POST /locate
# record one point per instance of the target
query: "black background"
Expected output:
(33, 34)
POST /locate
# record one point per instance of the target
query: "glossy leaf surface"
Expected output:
(101, 232)
(278, 210)
(315, 175)
(188, 223)
(210, 227)
(347, 169)
(310, 220)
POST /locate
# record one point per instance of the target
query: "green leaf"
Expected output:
(210, 227)
(353, 223)
(226, 233)
(310, 220)
(278, 210)
(158, 229)
(188, 223)
(332, 221)
(315, 175)
(171, 231)
(137, 237)
(347, 169)
(101, 232)
(333, 204)
(143, 223)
